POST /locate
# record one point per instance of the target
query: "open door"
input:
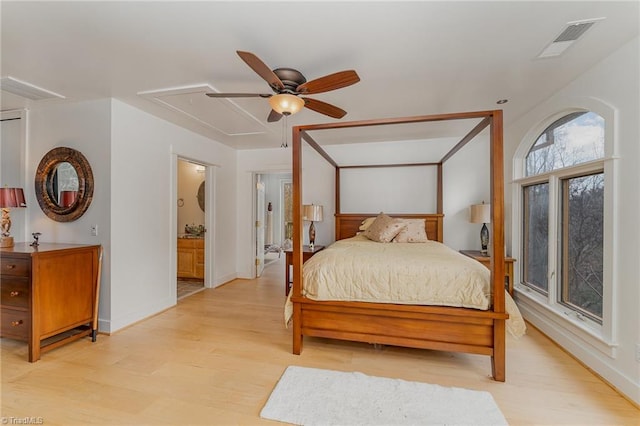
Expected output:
(260, 216)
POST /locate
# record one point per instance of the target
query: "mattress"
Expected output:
(358, 269)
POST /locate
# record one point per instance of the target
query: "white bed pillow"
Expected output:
(384, 228)
(414, 232)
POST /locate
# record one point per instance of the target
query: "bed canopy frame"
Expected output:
(417, 326)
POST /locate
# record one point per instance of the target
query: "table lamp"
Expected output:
(9, 198)
(312, 213)
(481, 213)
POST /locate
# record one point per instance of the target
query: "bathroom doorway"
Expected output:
(191, 229)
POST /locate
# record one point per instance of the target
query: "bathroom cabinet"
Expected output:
(191, 258)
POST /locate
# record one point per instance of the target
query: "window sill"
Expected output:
(554, 322)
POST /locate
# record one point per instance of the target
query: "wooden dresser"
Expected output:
(191, 258)
(48, 294)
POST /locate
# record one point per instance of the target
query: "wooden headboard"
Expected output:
(348, 224)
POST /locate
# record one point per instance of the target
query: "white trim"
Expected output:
(575, 333)
(556, 317)
(209, 219)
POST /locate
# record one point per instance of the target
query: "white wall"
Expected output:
(144, 152)
(86, 127)
(12, 166)
(465, 181)
(389, 190)
(133, 156)
(414, 189)
(615, 82)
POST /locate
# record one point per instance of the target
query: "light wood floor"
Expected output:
(215, 357)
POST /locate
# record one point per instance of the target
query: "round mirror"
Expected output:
(64, 184)
(201, 196)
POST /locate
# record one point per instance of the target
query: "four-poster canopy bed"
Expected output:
(444, 328)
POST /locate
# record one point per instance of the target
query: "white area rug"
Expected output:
(310, 396)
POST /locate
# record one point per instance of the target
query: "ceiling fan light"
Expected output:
(286, 104)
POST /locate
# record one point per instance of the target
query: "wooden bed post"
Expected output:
(498, 360)
(440, 205)
(337, 201)
(297, 239)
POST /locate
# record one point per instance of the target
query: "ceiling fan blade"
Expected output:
(324, 108)
(329, 82)
(261, 69)
(274, 116)
(239, 95)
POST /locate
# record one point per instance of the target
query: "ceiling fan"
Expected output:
(288, 84)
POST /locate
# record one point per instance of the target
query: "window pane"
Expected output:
(536, 235)
(582, 243)
(574, 139)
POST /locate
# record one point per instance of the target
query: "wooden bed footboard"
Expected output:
(424, 327)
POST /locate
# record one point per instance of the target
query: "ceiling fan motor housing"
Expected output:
(290, 78)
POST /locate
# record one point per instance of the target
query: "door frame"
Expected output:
(254, 208)
(209, 219)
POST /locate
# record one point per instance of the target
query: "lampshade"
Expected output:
(9, 198)
(480, 213)
(12, 197)
(312, 213)
(286, 104)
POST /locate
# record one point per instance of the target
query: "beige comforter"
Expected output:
(358, 269)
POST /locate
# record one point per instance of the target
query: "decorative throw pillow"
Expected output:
(366, 223)
(414, 232)
(384, 228)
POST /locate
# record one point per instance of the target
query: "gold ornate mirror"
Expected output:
(64, 184)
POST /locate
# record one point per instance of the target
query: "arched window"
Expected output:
(562, 212)
(574, 139)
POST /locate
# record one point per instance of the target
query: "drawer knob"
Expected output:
(14, 293)
(16, 323)
(11, 266)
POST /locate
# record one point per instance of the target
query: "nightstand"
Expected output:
(306, 254)
(486, 261)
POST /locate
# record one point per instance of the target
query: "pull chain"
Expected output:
(284, 132)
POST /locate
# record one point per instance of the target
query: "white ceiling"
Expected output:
(413, 58)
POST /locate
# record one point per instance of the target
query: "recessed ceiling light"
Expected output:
(502, 101)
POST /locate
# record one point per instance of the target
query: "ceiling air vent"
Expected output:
(26, 90)
(569, 34)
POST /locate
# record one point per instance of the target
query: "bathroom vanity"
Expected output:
(191, 257)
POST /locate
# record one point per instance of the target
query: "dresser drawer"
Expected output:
(14, 291)
(15, 324)
(15, 267)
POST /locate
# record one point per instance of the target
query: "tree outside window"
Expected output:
(556, 155)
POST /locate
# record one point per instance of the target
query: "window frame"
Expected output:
(523, 256)
(548, 307)
(563, 258)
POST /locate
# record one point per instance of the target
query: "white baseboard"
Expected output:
(584, 353)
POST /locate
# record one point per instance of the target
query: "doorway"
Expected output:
(191, 229)
(273, 204)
